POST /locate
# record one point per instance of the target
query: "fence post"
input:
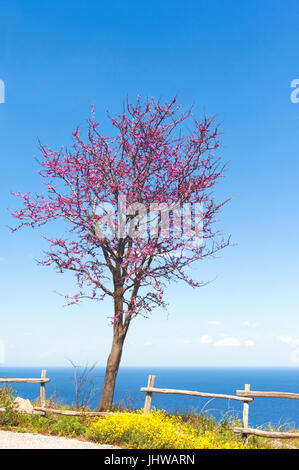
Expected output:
(245, 415)
(43, 389)
(148, 397)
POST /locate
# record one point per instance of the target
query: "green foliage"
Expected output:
(8, 417)
(134, 429)
(70, 426)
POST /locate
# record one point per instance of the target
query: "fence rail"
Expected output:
(150, 389)
(42, 381)
(252, 393)
(246, 396)
(72, 412)
(29, 381)
(273, 434)
(170, 391)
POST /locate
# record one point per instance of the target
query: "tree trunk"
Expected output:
(119, 334)
(112, 368)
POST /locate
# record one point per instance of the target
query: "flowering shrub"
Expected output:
(154, 430)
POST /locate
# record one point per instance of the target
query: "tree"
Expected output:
(129, 203)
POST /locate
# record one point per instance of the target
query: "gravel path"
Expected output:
(16, 440)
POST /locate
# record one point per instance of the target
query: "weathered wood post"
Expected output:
(43, 389)
(245, 415)
(148, 397)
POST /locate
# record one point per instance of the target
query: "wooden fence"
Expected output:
(245, 430)
(246, 396)
(42, 381)
(43, 409)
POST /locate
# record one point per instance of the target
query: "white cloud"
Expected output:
(228, 341)
(206, 339)
(251, 324)
(285, 339)
(214, 322)
(249, 342)
(293, 344)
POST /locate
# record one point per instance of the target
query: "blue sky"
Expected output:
(235, 60)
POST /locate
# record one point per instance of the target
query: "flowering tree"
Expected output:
(129, 203)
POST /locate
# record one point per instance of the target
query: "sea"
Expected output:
(262, 411)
